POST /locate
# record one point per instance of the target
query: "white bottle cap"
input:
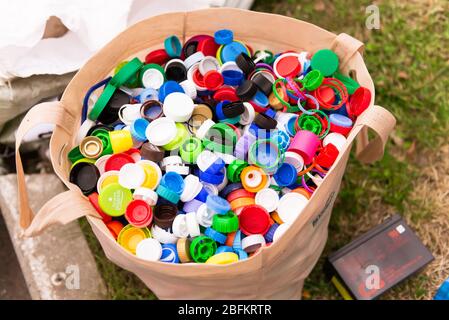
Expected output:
(147, 195)
(253, 242)
(204, 216)
(290, 206)
(101, 162)
(82, 131)
(193, 59)
(171, 160)
(179, 226)
(161, 131)
(128, 113)
(131, 176)
(192, 224)
(178, 106)
(103, 177)
(337, 139)
(189, 88)
(181, 169)
(280, 231)
(204, 128)
(209, 63)
(192, 186)
(162, 235)
(205, 159)
(248, 115)
(210, 188)
(295, 160)
(152, 78)
(226, 157)
(149, 249)
(267, 198)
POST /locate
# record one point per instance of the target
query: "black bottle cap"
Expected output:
(265, 122)
(233, 109)
(176, 71)
(245, 63)
(190, 48)
(263, 83)
(85, 175)
(246, 90)
(109, 114)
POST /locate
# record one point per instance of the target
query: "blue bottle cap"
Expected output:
(217, 204)
(167, 194)
(260, 99)
(219, 109)
(237, 244)
(270, 113)
(223, 36)
(232, 77)
(285, 175)
(173, 181)
(173, 46)
(270, 233)
(211, 178)
(202, 196)
(229, 188)
(169, 253)
(119, 126)
(443, 291)
(281, 138)
(217, 236)
(221, 249)
(138, 128)
(167, 88)
(147, 94)
(216, 167)
(242, 254)
(231, 51)
(340, 120)
(290, 126)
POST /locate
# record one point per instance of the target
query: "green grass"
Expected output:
(408, 61)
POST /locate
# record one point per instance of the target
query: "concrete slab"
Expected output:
(57, 264)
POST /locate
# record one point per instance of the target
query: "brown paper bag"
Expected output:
(277, 271)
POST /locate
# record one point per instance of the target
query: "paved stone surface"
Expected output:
(12, 283)
(57, 264)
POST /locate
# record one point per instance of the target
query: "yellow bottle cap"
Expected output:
(82, 160)
(181, 135)
(153, 174)
(121, 140)
(130, 236)
(223, 258)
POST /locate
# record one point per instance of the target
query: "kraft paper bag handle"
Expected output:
(382, 122)
(72, 202)
(346, 47)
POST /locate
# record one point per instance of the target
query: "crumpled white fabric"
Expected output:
(91, 24)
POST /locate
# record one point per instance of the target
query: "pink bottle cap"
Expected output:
(305, 143)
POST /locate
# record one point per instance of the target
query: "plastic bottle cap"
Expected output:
(114, 199)
(101, 162)
(285, 175)
(178, 106)
(208, 46)
(326, 61)
(290, 206)
(287, 65)
(162, 235)
(360, 101)
(173, 46)
(208, 64)
(164, 214)
(83, 130)
(91, 147)
(223, 258)
(161, 131)
(202, 248)
(169, 253)
(192, 224)
(224, 36)
(173, 181)
(139, 214)
(253, 242)
(129, 237)
(245, 63)
(340, 120)
(175, 70)
(337, 139)
(294, 159)
(205, 159)
(204, 128)
(149, 250)
(246, 90)
(254, 219)
(280, 231)
(121, 140)
(106, 179)
(225, 223)
(117, 161)
(183, 247)
(192, 186)
(153, 173)
(152, 76)
(217, 204)
(151, 152)
(189, 88)
(179, 226)
(213, 80)
(193, 59)
(146, 194)
(114, 227)
(231, 50)
(131, 176)
(85, 175)
(268, 199)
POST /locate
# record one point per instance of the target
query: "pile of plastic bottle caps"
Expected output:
(208, 151)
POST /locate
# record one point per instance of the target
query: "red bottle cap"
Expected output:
(240, 193)
(213, 80)
(327, 156)
(325, 95)
(225, 93)
(254, 219)
(117, 161)
(208, 46)
(158, 56)
(339, 129)
(93, 198)
(198, 78)
(114, 227)
(139, 213)
(360, 101)
(288, 66)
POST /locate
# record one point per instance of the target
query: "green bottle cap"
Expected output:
(190, 149)
(326, 61)
(312, 80)
(75, 154)
(125, 73)
(220, 138)
(114, 199)
(310, 123)
(226, 223)
(102, 101)
(234, 170)
(350, 84)
(202, 248)
(103, 135)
